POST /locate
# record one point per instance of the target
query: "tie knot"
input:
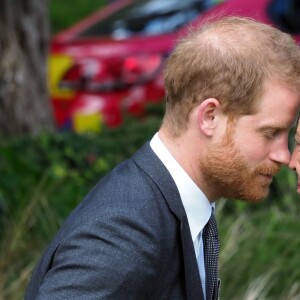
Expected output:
(210, 229)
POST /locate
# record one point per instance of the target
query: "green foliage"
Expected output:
(71, 162)
(259, 253)
(66, 13)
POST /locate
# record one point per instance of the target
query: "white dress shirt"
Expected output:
(196, 205)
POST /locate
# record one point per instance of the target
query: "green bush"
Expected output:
(259, 253)
(60, 158)
(64, 13)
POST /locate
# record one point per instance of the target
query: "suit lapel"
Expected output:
(152, 165)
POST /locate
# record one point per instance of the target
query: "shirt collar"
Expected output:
(196, 204)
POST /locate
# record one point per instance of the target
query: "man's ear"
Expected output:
(209, 112)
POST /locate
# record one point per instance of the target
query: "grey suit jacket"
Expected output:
(128, 239)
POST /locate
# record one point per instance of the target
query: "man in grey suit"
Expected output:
(232, 94)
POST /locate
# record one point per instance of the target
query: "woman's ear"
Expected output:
(209, 112)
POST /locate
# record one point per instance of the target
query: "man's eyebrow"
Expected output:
(272, 127)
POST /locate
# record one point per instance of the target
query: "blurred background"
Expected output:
(81, 89)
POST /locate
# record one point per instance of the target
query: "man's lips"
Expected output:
(268, 172)
(268, 176)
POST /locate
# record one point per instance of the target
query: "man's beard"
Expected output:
(226, 171)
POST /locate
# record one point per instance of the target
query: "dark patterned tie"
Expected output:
(211, 254)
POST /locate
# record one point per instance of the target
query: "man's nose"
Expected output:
(281, 154)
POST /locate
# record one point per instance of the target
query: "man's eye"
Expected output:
(271, 134)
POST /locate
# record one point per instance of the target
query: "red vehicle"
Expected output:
(110, 64)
